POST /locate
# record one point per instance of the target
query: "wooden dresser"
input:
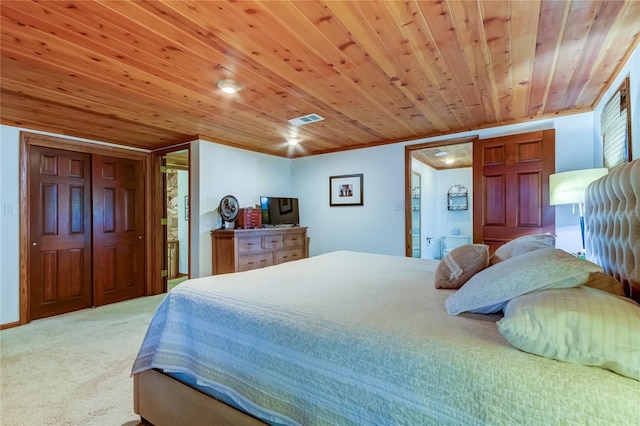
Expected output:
(236, 250)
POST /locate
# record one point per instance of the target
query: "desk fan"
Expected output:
(229, 211)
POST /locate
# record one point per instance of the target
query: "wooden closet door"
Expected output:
(118, 229)
(59, 232)
(511, 187)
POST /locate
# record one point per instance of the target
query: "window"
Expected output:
(616, 128)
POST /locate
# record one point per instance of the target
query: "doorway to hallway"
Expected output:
(177, 212)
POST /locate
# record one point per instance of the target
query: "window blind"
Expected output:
(615, 129)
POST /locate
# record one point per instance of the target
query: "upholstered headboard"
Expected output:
(612, 221)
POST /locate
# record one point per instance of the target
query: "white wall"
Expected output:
(378, 225)
(9, 224)
(458, 219)
(218, 170)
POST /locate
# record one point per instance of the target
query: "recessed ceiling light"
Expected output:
(441, 154)
(229, 86)
(449, 161)
(293, 142)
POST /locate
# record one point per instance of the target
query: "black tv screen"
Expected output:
(279, 211)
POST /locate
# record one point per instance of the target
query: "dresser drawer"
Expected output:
(287, 255)
(249, 244)
(247, 262)
(235, 250)
(273, 241)
(294, 240)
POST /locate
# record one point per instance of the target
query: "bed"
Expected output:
(355, 338)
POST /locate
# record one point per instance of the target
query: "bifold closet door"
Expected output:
(118, 229)
(59, 232)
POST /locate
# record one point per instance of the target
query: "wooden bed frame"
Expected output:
(162, 400)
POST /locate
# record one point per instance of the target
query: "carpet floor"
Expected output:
(74, 369)
(175, 281)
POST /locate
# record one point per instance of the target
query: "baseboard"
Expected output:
(9, 325)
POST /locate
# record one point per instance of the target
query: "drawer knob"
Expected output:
(263, 260)
(249, 244)
(250, 263)
(284, 257)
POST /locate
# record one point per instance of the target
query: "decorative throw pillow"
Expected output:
(522, 245)
(579, 325)
(460, 264)
(605, 282)
(490, 289)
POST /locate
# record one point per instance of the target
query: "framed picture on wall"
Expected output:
(346, 190)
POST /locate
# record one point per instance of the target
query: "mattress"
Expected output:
(353, 338)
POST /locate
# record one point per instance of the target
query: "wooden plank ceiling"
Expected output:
(454, 156)
(144, 73)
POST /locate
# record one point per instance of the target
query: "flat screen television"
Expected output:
(279, 211)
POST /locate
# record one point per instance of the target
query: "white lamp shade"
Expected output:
(569, 187)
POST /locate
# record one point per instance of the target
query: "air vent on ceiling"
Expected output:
(305, 119)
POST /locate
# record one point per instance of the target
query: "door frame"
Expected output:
(419, 175)
(160, 204)
(27, 139)
(408, 149)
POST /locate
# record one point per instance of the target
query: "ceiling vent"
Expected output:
(305, 119)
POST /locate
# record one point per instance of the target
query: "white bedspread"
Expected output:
(352, 338)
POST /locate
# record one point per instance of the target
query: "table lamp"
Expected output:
(569, 188)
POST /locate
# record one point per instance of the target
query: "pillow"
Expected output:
(579, 325)
(605, 282)
(460, 264)
(490, 289)
(522, 245)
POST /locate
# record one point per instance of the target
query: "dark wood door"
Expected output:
(511, 187)
(59, 232)
(118, 229)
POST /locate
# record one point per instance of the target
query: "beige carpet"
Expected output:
(175, 281)
(74, 369)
